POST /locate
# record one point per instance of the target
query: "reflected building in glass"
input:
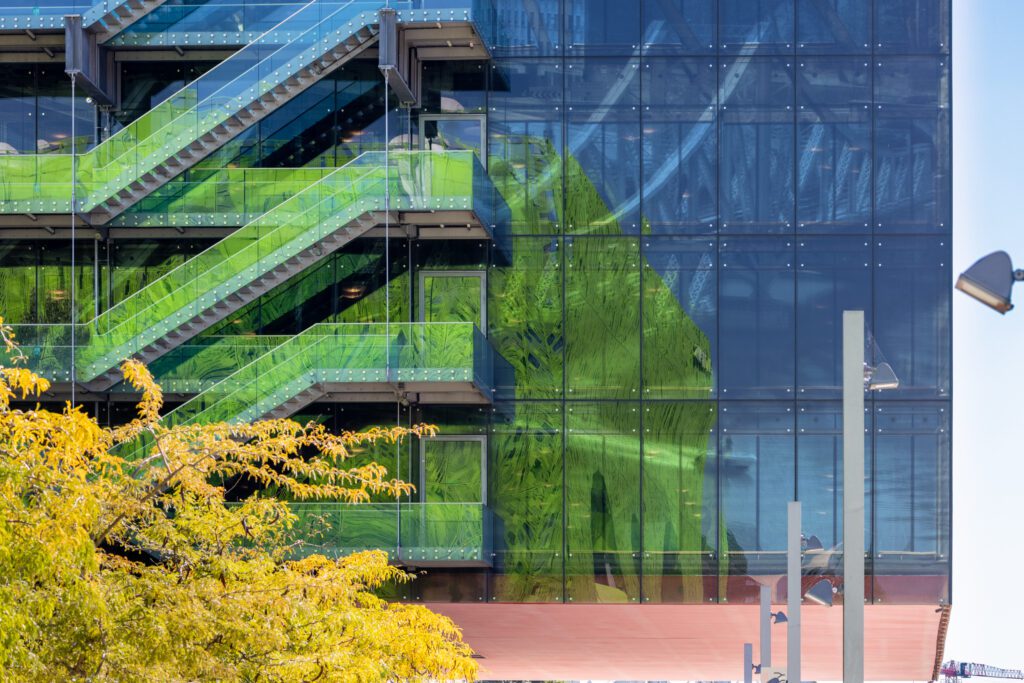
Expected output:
(673, 202)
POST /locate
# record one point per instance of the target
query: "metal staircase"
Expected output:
(209, 112)
(255, 288)
(229, 99)
(438, 363)
(446, 190)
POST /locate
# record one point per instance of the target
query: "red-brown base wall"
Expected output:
(683, 642)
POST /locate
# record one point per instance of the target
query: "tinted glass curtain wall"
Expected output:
(697, 189)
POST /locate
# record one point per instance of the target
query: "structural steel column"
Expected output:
(853, 496)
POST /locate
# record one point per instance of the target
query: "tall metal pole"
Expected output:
(74, 209)
(387, 236)
(853, 496)
(766, 628)
(748, 663)
(793, 576)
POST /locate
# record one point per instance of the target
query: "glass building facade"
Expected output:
(696, 191)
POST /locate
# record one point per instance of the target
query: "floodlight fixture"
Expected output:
(880, 376)
(821, 593)
(990, 280)
(779, 617)
(811, 542)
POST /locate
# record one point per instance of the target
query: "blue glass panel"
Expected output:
(820, 470)
(912, 26)
(18, 110)
(911, 482)
(680, 317)
(912, 144)
(291, 134)
(833, 275)
(602, 184)
(525, 142)
(529, 28)
(757, 473)
(819, 449)
(602, 27)
(762, 25)
(679, 145)
(833, 164)
(912, 313)
(756, 98)
(757, 334)
(833, 26)
(677, 27)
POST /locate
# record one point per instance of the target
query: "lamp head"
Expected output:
(882, 376)
(878, 374)
(990, 280)
(812, 543)
(779, 617)
(821, 593)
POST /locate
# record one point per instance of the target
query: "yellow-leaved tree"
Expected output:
(134, 569)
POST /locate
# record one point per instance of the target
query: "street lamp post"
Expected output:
(766, 628)
(793, 595)
(857, 375)
(853, 496)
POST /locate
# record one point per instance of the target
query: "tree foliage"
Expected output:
(120, 567)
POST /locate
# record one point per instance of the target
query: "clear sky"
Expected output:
(988, 359)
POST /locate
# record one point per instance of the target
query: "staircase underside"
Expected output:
(433, 393)
(428, 225)
(430, 393)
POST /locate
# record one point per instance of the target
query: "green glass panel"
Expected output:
(219, 197)
(415, 532)
(18, 286)
(191, 368)
(679, 502)
(526, 482)
(679, 302)
(525, 316)
(602, 317)
(452, 471)
(452, 298)
(343, 354)
(602, 472)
